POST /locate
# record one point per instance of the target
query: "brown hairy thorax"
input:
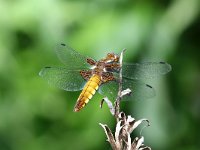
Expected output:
(104, 67)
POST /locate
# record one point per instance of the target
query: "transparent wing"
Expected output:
(69, 80)
(71, 58)
(140, 90)
(109, 90)
(145, 70)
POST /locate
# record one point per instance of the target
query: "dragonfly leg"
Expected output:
(107, 76)
(86, 74)
(91, 61)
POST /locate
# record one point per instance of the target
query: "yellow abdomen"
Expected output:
(88, 91)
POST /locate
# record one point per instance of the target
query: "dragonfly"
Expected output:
(89, 75)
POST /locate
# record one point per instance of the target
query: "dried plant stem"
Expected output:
(119, 95)
(125, 125)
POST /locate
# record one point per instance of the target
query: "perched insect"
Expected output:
(86, 74)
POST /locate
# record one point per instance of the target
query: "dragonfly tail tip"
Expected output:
(76, 109)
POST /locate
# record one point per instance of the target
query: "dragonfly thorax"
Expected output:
(100, 65)
(108, 64)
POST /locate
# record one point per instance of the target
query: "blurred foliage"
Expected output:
(35, 116)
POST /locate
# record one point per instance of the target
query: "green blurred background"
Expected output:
(36, 116)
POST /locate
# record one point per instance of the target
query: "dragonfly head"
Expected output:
(111, 57)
